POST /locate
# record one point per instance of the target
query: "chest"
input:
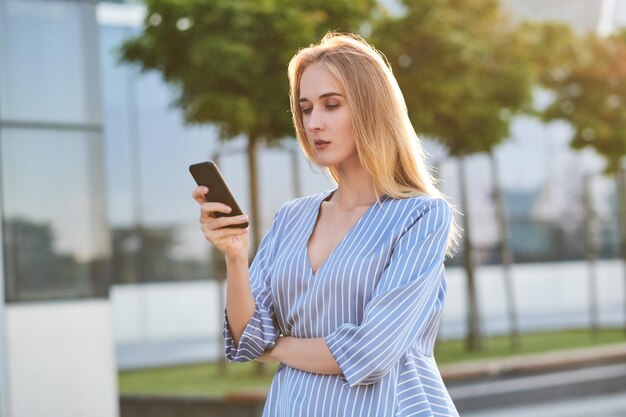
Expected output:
(331, 228)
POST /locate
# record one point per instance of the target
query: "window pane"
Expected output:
(56, 243)
(49, 61)
(117, 118)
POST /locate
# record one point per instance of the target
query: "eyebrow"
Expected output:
(325, 95)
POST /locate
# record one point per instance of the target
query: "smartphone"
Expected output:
(207, 174)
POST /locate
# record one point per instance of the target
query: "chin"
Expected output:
(326, 162)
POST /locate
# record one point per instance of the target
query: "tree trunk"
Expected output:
(255, 215)
(506, 254)
(622, 224)
(220, 281)
(295, 171)
(435, 166)
(474, 339)
(590, 249)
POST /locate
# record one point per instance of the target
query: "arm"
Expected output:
(249, 324)
(310, 355)
(240, 304)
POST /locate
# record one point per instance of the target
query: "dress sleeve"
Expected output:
(401, 304)
(261, 331)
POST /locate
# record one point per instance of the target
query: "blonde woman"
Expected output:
(347, 288)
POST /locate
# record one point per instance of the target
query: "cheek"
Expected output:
(346, 126)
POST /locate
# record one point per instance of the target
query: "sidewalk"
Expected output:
(534, 363)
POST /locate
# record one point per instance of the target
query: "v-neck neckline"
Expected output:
(316, 215)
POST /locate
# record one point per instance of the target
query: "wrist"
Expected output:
(235, 260)
(279, 348)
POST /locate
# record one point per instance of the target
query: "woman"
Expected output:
(347, 288)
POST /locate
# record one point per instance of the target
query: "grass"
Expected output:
(208, 379)
(451, 351)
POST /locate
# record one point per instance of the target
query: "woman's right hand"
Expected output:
(232, 242)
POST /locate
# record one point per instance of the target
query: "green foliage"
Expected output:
(228, 59)
(454, 351)
(550, 47)
(462, 69)
(198, 379)
(589, 94)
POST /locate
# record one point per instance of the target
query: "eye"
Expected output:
(331, 106)
(306, 110)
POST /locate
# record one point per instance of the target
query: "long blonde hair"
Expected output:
(386, 142)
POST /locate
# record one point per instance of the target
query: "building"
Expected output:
(56, 339)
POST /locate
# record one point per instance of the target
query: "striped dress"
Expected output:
(377, 299)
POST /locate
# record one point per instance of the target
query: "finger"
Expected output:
(221, 222)
(208, 208)
(198, 194)
(218, 234)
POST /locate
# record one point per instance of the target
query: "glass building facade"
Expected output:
(55, 237)
(55, 267)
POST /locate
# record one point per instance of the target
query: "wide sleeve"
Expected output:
(401, 304)
(261, 331)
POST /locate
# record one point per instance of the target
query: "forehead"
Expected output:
(317, 80)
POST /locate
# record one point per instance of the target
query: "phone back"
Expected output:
(207, 174)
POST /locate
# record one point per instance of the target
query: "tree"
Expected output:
(464, 74)
(228, 62)
(589, 94)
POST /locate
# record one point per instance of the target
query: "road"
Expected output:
(612, 405)
(584, 392)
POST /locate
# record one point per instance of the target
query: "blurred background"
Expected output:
(112, 301)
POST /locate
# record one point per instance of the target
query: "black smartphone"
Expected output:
(207, 174)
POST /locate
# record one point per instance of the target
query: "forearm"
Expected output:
(310, 355)
(240, 304)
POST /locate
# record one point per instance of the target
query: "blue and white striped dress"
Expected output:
(377, 299)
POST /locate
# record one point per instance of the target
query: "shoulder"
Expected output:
(422, 205)
(298, 205)
(417, 220)
(421, 215)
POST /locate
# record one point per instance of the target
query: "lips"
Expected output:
(321, 144)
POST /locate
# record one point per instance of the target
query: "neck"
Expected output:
(355, 187)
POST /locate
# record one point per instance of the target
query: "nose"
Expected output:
(313, 121)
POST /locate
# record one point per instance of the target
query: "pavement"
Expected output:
(553, 377)
(534, 363)
(153, 354)
(608, 405)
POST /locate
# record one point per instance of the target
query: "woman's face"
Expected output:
(326, 117)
